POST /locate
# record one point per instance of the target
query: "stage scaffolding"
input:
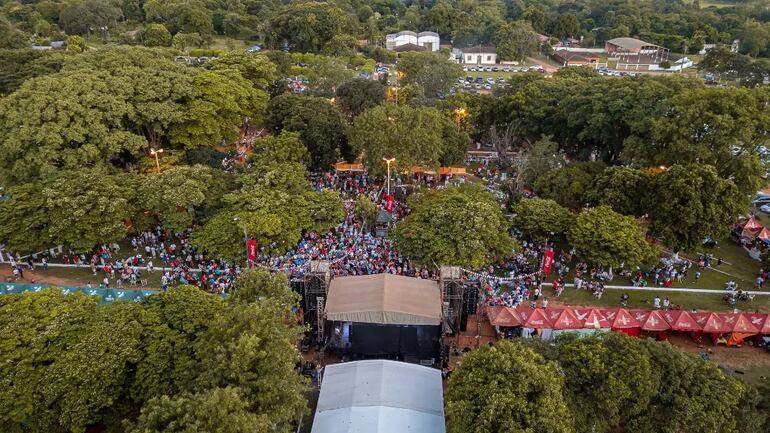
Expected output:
(313, 286)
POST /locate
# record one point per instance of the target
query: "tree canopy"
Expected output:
(689, 202)
(457, 226)
(414, 136)
(604, 237)
(507, 387)
(190, 361)
(542, 218)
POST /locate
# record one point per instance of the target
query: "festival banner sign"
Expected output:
(547, 261)
(251, 248)
(389, 200)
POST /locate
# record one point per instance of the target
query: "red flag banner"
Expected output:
(389, 203)
(251, 248)
(547, 261)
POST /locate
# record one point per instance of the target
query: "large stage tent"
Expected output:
(379, 396)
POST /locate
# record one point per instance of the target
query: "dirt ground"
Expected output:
(749, 363)
(35, 277)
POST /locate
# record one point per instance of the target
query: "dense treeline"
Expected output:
(677, 24)
(178, 361)
(77, 129)
(611, 383)
(685, 155)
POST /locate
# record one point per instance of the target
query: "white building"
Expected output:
(429, 40)
(479, 56)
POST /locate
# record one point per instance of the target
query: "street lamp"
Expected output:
(460, 114)
(155, 153)
(388, 161)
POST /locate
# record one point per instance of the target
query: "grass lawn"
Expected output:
(638, 299)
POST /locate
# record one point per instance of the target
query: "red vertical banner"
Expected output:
(547, 261)
(251, 249)
(389, 201)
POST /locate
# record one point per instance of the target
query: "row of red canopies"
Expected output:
(621, 318)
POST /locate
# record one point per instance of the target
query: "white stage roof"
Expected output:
(379, 396)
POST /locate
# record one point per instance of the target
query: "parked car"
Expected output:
(765, 208)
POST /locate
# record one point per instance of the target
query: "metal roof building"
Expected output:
(380, 396)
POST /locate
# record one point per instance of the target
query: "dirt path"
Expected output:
(35, 277)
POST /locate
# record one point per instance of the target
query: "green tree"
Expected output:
(340, 46)
(358, 95)
(542, 157)
(224, 100)
(606, 238)
(459, 226)
(414, 136)
(274, 206)
(24, 319)
(76, 44)
(717, 126)
(84, 17)
(308, 26)
(19, 65)
(249, 346)
(172, 324)
(609, 380)
(516, 41)
(64, 363)
(286, 148)
(687, 203)
(78, 208)
(319, 123)
(434, 72)
(621, 188)
(366, 211)
(174, 194)
(10, 36)
(156, 35)
(507, 387)
(259, 285)
(223, 410)
(542, 219)
(256, 68)
(568, 185)
(693, 395)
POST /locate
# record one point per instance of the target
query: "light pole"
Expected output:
(155, 153)
(245, 240)
(388, 161)
(460, 114)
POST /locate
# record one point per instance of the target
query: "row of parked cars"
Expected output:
(503, 69)
(480, 82)
(610, 73)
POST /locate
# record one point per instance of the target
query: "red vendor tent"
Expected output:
(711, 322)
(740, 323)
(592, 318)
(621, 318)
(681, 320)
(655, 322)
(534, 318)
(566, 319)
(505, 317)
(760, 321)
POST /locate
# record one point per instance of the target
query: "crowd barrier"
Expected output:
(105, 295)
